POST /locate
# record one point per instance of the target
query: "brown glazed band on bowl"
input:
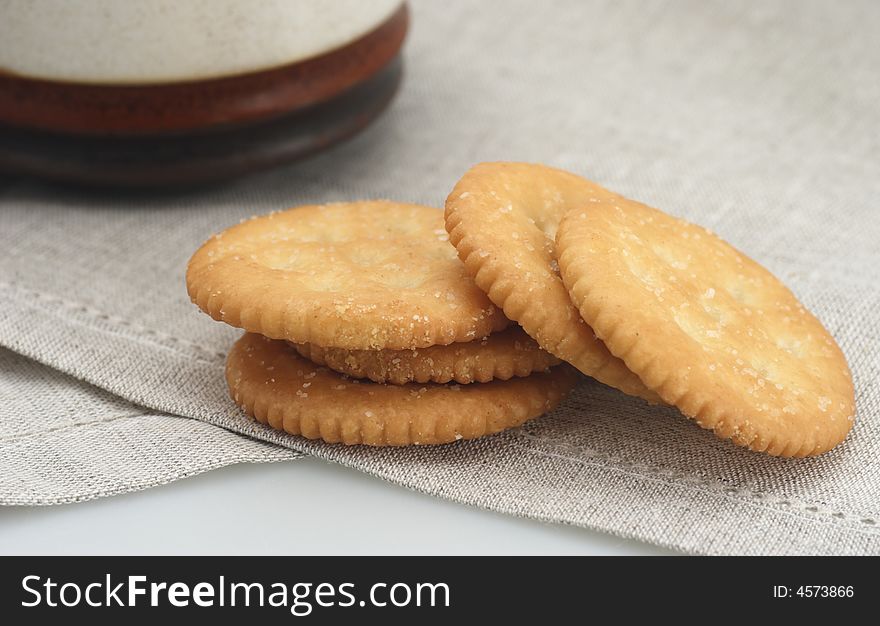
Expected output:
(183, 106)
(197, 157)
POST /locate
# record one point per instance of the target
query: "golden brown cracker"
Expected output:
(500, 356)
(712, 331)
(355, 275)
(502, 219)
(271, 382)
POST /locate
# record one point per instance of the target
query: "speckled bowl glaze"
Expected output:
(162, 92)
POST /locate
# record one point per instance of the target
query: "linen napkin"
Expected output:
(757, 120)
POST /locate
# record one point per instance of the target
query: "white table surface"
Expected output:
(306, 506)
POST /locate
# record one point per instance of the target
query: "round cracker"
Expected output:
(502, 219)
(500, 356)
(271, 382)
(357, 275)
(712, 331)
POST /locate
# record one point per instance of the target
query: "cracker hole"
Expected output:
(791, 345)
(672, 257)
(403, 280)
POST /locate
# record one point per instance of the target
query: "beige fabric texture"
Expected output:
(63, 440)
(757, 120)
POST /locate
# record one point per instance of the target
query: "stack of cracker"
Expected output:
(365, 327)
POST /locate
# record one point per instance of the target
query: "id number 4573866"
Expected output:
(814, 591)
